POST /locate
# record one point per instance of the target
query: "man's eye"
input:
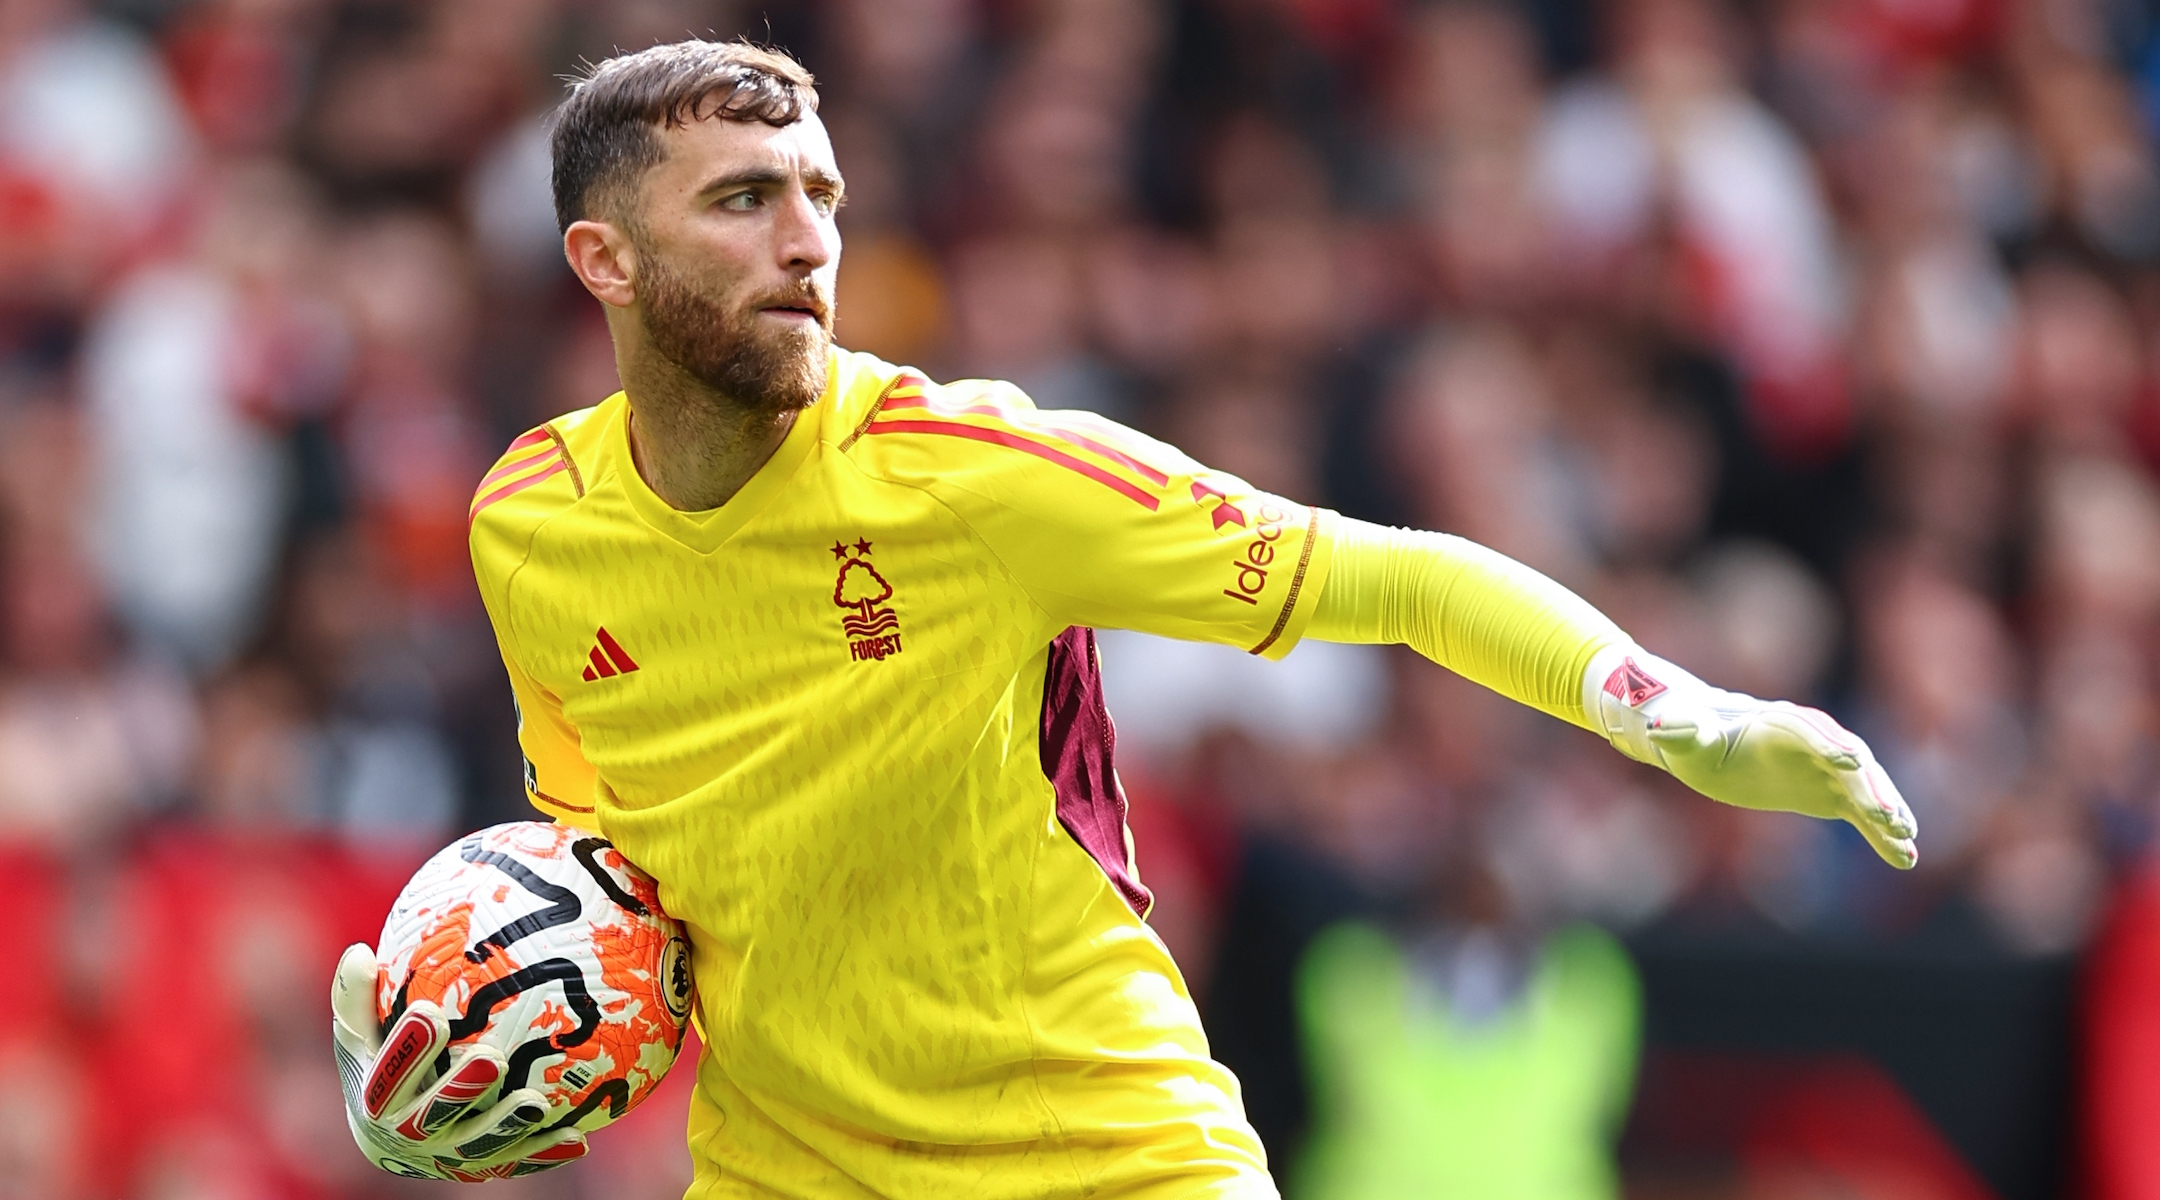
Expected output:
(740, 201)
(825, 202)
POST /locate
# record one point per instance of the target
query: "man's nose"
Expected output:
(804, 239)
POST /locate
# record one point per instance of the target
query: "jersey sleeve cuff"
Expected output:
(566, 814)
(1315, 556)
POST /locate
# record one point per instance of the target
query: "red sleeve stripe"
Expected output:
(915, 399)
(517, 485)
(1064, 435)
(999, 437)
(531, 437)
(511, 468)
(1113, 454)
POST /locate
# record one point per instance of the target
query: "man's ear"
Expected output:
(605, 261)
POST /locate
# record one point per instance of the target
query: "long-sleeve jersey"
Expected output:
(851, 722)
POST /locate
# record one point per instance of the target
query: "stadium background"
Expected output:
(1816, 340)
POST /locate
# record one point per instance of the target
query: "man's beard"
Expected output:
(769, 371)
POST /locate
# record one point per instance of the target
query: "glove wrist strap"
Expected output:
(1623, 690)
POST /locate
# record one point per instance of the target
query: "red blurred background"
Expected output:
(1816, 340)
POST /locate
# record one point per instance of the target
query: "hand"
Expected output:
(411, 1123)
(1751, 753)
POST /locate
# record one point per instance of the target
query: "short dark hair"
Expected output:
(606, 130)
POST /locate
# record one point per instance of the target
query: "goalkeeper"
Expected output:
(808, 637)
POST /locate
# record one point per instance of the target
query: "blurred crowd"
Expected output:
(1817, 341)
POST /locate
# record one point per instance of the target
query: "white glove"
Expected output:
(1765, 754)
(410, 1122)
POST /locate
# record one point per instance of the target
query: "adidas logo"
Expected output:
(608, 658)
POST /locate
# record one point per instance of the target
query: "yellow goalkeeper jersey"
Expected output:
(852, 723)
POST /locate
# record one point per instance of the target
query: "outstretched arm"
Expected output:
(1496, 622)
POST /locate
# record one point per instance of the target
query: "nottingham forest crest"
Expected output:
(873, 631)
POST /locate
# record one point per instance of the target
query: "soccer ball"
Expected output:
(542, 941)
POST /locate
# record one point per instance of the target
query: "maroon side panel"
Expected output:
(1077, 745)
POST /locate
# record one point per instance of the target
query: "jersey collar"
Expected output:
(706, 531)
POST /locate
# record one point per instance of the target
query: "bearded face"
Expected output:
(766, 364)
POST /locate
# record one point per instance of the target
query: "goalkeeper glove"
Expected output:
(409, 1121)
(1764, 754)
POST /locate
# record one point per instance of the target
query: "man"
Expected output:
(808, 637)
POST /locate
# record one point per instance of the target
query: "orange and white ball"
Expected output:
(543, 941)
